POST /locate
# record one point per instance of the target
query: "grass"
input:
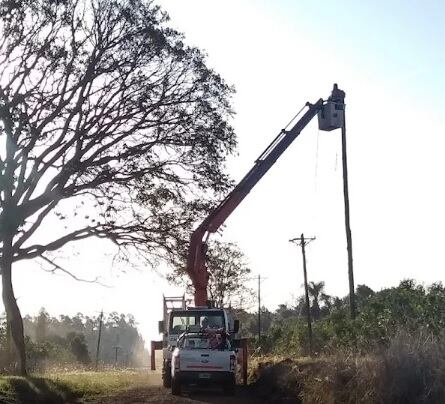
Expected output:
(411, 370)
(69, 387)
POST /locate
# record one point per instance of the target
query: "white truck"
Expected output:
(204, 358)
(178, 318)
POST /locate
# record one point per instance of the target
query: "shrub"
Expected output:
(412, 369)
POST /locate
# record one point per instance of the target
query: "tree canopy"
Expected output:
(228, 272)
(110, 123)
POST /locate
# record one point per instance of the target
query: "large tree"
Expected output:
(316, 291)
(109, 122)
(228, 273)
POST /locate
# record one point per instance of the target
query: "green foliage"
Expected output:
(409, 307)
(228, 273)
(78, 347)
(316, 291)
(69, 387)
(42, 325)
(410, 370)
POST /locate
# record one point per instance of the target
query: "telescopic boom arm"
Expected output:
(196, 267)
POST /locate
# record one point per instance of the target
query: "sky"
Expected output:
(388, 56)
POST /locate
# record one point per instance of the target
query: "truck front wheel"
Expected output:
(166, 375)
(176, 387)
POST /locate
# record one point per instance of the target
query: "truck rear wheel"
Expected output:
(176, 387)
(166, 376)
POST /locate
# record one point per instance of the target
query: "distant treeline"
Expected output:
(64, 340)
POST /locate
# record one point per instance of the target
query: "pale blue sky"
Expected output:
(395, 40)
(388, 57)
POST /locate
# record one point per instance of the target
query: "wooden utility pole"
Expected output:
(303, 242)
(116, 350)
(259, 309)
(98, 338)
(352, 302)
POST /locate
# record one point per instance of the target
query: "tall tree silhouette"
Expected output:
(108, 123)
(315, 292)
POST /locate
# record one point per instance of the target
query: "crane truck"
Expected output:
(178, 318)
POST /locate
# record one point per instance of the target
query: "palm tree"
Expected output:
(316, 290)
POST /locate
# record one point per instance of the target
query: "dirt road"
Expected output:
(155, 393)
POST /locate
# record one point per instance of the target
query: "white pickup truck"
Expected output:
(203, 358)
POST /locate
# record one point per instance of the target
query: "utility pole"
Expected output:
(302, 241)
(116, 350)
(352, 302)
(259, 309)
(98, 338)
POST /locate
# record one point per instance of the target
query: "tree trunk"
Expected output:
(13, 316)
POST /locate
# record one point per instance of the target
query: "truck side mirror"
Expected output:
(161, 328)
(235, 326)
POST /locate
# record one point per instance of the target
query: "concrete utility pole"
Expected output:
(302, 241)
(98, 338)
(352, 302)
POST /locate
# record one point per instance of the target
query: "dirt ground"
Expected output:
(155, 393)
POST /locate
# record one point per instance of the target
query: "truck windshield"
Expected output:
(179, 321)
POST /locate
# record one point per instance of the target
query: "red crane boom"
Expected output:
(196, 267)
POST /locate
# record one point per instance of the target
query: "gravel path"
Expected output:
(155, 393)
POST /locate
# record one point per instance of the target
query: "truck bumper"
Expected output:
(205, 378)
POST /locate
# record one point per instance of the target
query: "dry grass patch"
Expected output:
(68, 387)
(411, 370)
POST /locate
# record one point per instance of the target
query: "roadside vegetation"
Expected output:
(61, 356)
(70, 343)
(68, 387)
(393, 352)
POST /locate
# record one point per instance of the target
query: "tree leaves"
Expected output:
(106, 103)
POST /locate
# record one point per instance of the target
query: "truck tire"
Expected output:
(166, 376)
(229, 388)
(176, 387)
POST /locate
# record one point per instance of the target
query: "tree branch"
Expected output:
(65, 271)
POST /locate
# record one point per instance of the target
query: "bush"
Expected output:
(412, 369)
